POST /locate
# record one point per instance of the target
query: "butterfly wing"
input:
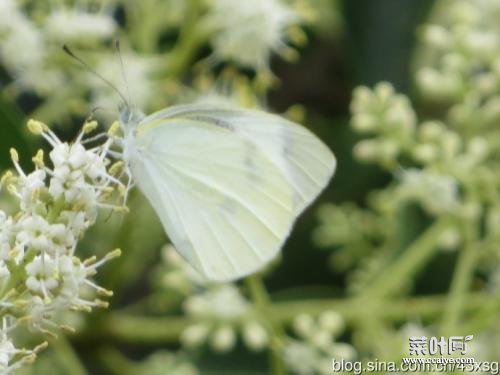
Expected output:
(228, 184)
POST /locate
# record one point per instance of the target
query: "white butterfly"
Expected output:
(227, 184)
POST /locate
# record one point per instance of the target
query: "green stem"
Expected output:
(18, 271)
(462, 279)
(403, 269)
(154, 330)
(56, 209)
(258, 292)
(139, 329)
(115, 363)
(483, 317)
(262, 302)
(190, 39)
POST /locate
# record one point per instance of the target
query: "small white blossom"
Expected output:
(36, 233)
(221, 312)
(7, 351)
(332, 322)
(6, 233)
(195, 335)
(39, 32)
(140, 72)
(76, 222)
(224, 303)
(386, 115)
(33, 183)
(71, 25)
(223, 338)
(17, 31)
(437, 193)
(178, 274)
(302, 358)
(42, 275)
(317, 345)
(247, 32)
(255, 336)
(4, 270)
(12, 358)
(9, 13)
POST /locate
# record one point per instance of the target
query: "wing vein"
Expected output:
(308, 174)
(224, 192)
(221, 244)
(255, 186)
(312, 155)
(245, 239)
(178, 214)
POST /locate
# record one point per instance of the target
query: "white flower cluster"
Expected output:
(33, 65)
(437, 193)
(17, 30)
(220, 312)
(317, 345)
(352, 225)
(73, 24)
(390, 120)
(247, 32)
(458, 65)
(140, 71)
(388, 116)
(40, 273)
(460, 50)
(445, 161)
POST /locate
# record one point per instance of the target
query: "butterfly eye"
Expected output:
(125, 114)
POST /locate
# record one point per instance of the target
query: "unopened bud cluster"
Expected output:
(387, 116)
(316, 344)
(221, 312)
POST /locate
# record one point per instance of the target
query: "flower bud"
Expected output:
(303, 324)
(255, 336)
(223, 339)
(14, 155)
(366, 150)
(384, 90)
(195, 335)
(36, 127)
(90, 126)
(332, 322)
(364, 122)
(425, 153)
(437, 36)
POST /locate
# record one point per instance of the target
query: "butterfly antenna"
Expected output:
(87, 66)
(122, 66)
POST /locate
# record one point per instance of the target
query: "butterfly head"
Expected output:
(130, 118)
